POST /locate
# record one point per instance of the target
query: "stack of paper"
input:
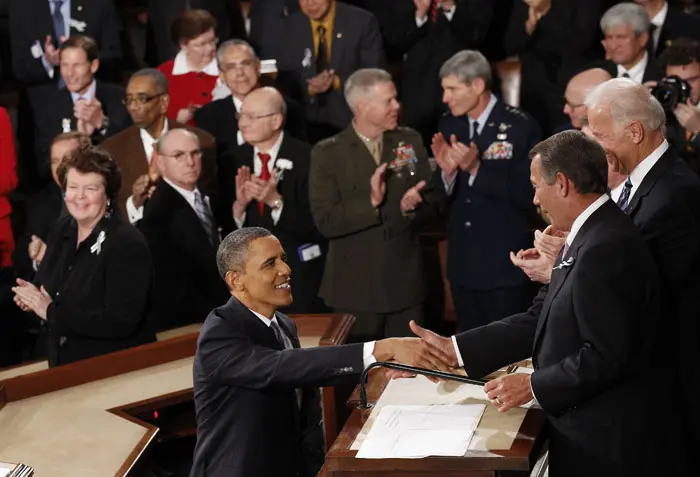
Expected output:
(406, 432)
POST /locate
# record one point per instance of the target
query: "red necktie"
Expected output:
(434, 8)
(264, 175)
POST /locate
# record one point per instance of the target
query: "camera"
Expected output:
(671, 91)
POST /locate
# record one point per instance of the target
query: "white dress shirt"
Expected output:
(189, 195)
(257, 169)
(65, 10)
(658, 22)
(636, 73)
(89, 95)
(481, 120)
(449, 13)
(180, 67)
(238, 104)
(616, 192)
(135, 214)
(640, 172)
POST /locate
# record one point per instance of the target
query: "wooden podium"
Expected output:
(521, 454)
(101, 416)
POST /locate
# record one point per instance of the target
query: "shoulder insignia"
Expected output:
(326, 142)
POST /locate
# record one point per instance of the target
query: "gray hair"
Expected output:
(231, 43)
(160, 143)
(576, 156)
(468, 65)
(628, 102)
(158, 77)
(232, 254)
(361, 82)
(626, 13)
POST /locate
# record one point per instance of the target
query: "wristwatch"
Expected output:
(277, 203)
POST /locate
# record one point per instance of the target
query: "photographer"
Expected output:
(682, 60)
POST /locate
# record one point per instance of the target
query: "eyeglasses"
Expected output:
(572, 105)
(180, 156)
(252, 117)
(243, 65)
(140, 99)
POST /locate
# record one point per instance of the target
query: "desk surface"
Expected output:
(79, 430)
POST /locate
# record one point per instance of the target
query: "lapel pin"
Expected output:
(80, 8)
(339, 35)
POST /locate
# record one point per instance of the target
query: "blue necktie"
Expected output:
(624, 198)
(59, 25)
(475, 131)
(278, 333)
(205, 216)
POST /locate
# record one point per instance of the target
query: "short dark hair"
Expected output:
(83, 139)
(87, 159)
(232, 254)
(158, 77)
(190, 24)
(681, 52)
(576, 156)
(85, 43)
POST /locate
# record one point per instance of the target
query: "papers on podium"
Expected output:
(407, 432)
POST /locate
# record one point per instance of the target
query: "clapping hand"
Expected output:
(29, 298)
(322, 82)
(550, 241)
(536, 266)
(89, 115)
(51, 53)
(466, 157)
(243, 196)
(37, 249)
(422, 8)
(412, 198)
(688, 116)
(440, 150)
(378, 186)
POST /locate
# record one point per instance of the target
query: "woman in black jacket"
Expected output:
(94, 283)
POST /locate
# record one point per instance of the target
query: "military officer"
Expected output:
(484, 174)
(368, 190)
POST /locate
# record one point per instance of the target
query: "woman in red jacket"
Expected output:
(8, 182)
(193, 75)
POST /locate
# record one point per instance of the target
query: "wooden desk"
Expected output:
(84, 418)
(523, 452)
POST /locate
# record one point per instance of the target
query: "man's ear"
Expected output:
(635, 131)
(234, 281)
(563, 184)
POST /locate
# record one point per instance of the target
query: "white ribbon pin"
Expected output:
(306, 62)
(77, 24)
(565, 264)
(97, 246)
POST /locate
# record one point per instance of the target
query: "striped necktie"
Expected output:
(205, 217)
(622, 201)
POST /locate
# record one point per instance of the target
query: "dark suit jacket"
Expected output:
(652, 72)
(187, 283)
(499, 199)
(244, 392)
(218, 118)
(266, 20)
(57, 105)
(356, 44)
(101, 300)
(127, 150)
(678, 24)
(590, 334)
(687, 150)
(295, 226)
(367, 246)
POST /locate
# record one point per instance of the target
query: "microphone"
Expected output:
(411, 369)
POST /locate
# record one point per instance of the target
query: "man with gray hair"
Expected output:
(482, 150)
(626, 29)
(368, 192)
(662, 197)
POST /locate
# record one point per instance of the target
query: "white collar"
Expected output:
(237, 103)
(88, 95)
(484, 116)
(583, 216)
(187, 194)
(643, 168)
(616, 191)
(660, 17)
(265, 319)
(636, 73)
(180, 66)
(146, 138)
(274, 150)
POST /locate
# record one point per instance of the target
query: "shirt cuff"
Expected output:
(368, 354)
(421, 21)
(460, 361)
(449, 187)
(472, 178)
(35, 265)
(135, 214)
(449, 12)
(276, 213)
(47, 66)
(534, 402)
(239, 223)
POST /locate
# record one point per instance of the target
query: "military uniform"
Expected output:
(490, 217)
(373, 268)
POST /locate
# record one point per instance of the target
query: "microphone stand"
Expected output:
(411, 369)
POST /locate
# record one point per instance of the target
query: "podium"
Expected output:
(101, 416)
(505, 443)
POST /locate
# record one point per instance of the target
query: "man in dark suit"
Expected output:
(147, 102)
(626, 28)
(265, 183)
(255, 390)
(668, 23)
(482, 150)
(368, 194)
(181, 231)
(426, 38)
(662, 196)
(239, 69)
(323, 45)
(266, 20)
(86, 104)
(590, 332)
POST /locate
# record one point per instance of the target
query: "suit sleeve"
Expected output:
(128, 277)
(488, 348)
(209, 177)
(516, 39)
(608, 327)
(334, 215)
(511, 184)
(228, 356)
(8, 158)
(26, 68)
(471, 22)
(370, 50)
(110, 43)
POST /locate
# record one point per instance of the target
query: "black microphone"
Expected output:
(411, 369)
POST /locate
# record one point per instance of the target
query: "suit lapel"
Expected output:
(77, 14)
(307, 57)
(338, 40)
(183, 212)
(559, 273)
(358, 154)
(664, 162)
(286, 324)
(263, 333)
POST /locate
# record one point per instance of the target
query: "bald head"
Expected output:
(576, 91)
(262, 116)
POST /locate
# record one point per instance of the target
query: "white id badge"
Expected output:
(309, 252)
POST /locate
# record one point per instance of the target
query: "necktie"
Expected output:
(625, 196)
(278, 333)
(264, 175)
(205, 217)
(59, 26)
(474, 131)
(434, 9)
(375, 148)
(322, 53)
(625, 75)
(652, 46)
(566, 249)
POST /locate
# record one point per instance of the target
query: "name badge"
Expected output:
(309, 251)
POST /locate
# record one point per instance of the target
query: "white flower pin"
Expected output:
(306, 61)
(97, 246)
(565, 264)
(77, 24)
(65, 125)
(282, 165)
